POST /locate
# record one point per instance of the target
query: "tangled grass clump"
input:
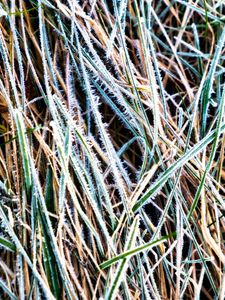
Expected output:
(112, 137)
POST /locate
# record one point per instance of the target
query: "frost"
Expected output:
(3, 13)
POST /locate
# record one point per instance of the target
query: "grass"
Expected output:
(112, 138)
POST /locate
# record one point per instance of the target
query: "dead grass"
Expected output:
(112, 149)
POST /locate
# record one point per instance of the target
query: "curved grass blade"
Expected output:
(121, 269)
(136, 250)
(179, 163)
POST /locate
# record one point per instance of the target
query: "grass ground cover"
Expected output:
(112, 137)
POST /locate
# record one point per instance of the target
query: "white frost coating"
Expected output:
(3, 13)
